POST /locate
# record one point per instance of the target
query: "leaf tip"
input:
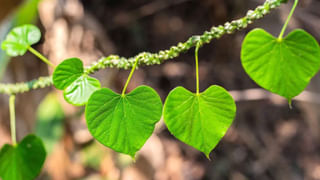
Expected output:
(133, 156)
(208, 156)
(290, 103)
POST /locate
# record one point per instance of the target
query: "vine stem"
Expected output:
(196, 52)
(13, 119)
(129, 78)
(288, 20)
(147, 58)
(40, 56)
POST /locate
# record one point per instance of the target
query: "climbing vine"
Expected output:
(123, 121)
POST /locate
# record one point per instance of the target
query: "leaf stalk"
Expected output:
(129, 78)
(40, 56)
(288, 20)
(197, 66)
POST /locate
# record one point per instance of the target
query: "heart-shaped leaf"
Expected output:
(123, 122)
(199, 120)
(23, 161)
(67, 72)
(285, 66)
(78, 86)
(20, 39)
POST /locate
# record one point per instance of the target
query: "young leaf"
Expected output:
(24, 161)
(123, 123)
(199, 120)
(78, 87)
(285, 66)
(67, 72)
(20, 39)
(81, 89)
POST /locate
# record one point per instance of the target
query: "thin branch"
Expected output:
(146, 58)
(13, 119)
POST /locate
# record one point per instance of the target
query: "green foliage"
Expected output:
(147, 58)
(20, 39)
(23, 161)
(285, 66)
(26, 13)
(93, 155)
(81, 89)
(49, 124)
(123, 122)
(78, 86)
(67, 72)
(199, 120)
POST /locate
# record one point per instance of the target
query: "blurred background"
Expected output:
(267, 141)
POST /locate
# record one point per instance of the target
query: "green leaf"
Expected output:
(78, 86)
(81, 89)
(67, 72)
(26, 13)
(123, 123)
(93, 155)
(20, 39)
(283, 67)
(199, 120)
(23, 161)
